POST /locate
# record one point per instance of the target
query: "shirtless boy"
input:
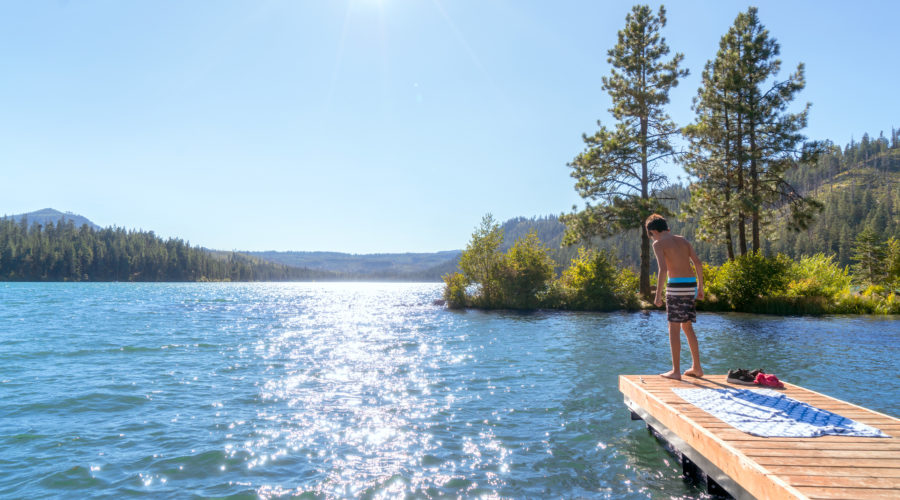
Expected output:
(674, 256)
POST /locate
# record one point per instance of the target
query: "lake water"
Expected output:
(349, 390)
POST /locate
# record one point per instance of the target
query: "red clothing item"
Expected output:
(769, 380)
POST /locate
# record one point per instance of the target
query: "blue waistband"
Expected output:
(683, 280)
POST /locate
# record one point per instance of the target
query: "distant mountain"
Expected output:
(48, 215)
(401, 266)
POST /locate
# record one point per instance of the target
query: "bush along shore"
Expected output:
(525, 277)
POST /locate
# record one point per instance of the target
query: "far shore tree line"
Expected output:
(63, 252)
(742, 153)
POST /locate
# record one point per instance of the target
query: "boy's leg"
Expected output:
(695, 370)
(675, 345)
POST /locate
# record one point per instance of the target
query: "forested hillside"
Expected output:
(858, 186)
(62, 252)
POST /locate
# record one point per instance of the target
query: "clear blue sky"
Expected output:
(361, 125)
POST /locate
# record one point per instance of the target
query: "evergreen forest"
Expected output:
(63, 252)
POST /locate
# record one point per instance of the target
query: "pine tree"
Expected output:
(618, 169)
(743, 141)
(893, 262)
(869, 252)
(844, 245)
(712, 155)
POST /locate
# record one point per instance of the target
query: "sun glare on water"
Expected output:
(351, 397)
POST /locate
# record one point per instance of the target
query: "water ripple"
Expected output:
(361, 390)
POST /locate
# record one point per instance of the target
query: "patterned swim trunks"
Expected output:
(681, 295)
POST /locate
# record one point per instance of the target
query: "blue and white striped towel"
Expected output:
(769, 413)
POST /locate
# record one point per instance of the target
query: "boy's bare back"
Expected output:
(677, 255)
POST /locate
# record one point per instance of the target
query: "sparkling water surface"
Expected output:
(365, 390)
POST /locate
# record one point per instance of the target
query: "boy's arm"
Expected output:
(698, 267)
(661, 275)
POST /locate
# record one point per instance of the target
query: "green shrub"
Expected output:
(710, 301)
(871, 301)
(818, 276)
(889, 305)
(711, 304)
(709, 274)
(517, 279)
(851, 303)
(481, 260)
(746, 279)
(882, 300)
(627, 287)
(785, 305)
(590, 282)
(555, 296)
(455, 285)
(524, 273)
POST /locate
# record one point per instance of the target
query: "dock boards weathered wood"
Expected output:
(768, 468)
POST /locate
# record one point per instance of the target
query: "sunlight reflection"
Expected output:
(347, 389)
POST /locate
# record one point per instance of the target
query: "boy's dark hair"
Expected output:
(656, 222)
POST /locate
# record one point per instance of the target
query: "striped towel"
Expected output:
(769, 413)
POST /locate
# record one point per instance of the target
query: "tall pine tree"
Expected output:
(712, 157)
(619, 168)
(744, 140)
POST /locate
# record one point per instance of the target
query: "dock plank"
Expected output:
(823, 467)
(873, 421)
(800, 452)
(855, 482)
(827, 462)
(848, 494)
(884, 445)
(846, 469)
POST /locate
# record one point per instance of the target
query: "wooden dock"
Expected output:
(747, 466)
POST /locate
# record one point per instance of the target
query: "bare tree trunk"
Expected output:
(645, 195)
(754, 187)
(739, 163)
(742, 219)
(645, 265)
(728, 243)
(726, 176)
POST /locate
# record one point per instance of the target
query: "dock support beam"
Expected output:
(694, 465)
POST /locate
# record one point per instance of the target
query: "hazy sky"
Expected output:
(361, 125)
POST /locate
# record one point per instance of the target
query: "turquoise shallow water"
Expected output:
(348, 390)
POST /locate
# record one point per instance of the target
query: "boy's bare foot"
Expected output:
(694, 372)
(672, 374)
